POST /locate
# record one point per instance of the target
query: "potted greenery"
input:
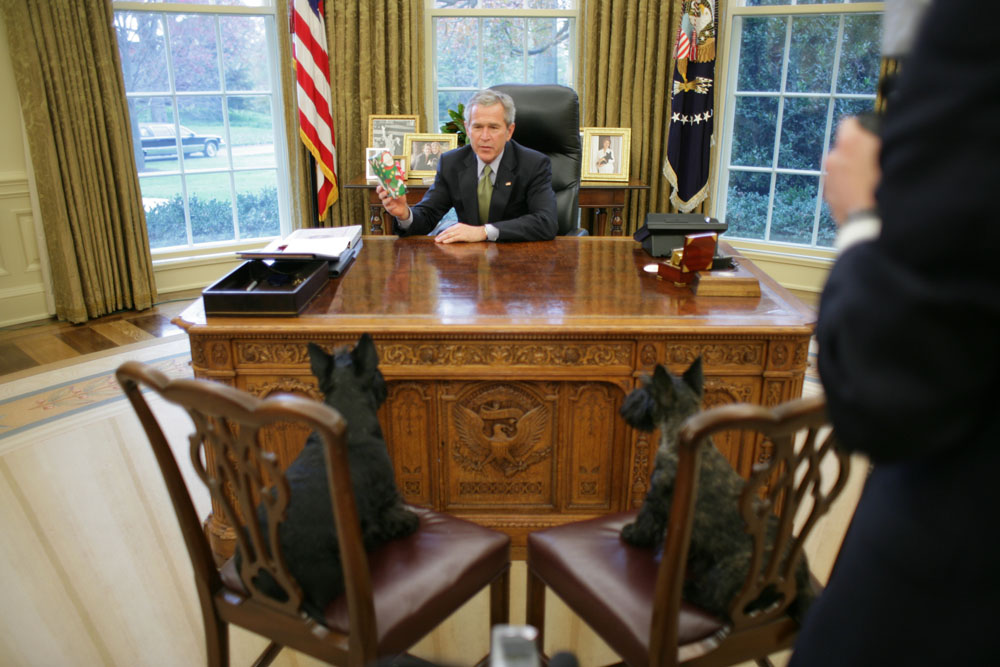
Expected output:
(457, 124)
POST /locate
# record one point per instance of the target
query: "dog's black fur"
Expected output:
(720, 551)
(353, 385)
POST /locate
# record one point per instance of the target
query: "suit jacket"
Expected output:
(523, 206)
(909, 358)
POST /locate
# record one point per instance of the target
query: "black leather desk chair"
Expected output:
(548, 120)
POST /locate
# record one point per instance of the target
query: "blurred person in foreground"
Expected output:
(515, 202)
(908, 328)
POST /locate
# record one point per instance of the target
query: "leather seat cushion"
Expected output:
(421, 579)
(608, 583)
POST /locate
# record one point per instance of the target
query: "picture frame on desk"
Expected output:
(606, 153)
(424, 150)
(389, 129)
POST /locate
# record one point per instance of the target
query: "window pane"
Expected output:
(251, 132)
(746, 204)
(211, 207)
(457, 42)
(794, 208)
(850, 107)
(164, 211)
(803, 126)
(827, 228)
(761, 47)
(202, 129)
(143, 51)
(243, 40)
(753, 131)
(257, 204)
(551, 4)
(503, 51)
(195, 56)
(450, 100)
(859, 62)
(810, 60)
(545, 37)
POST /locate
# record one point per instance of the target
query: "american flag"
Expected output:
(312, 74)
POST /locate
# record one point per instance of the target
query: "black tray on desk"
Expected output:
(259, 288)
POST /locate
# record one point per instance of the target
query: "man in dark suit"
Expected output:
(908, 328)
(500, 190)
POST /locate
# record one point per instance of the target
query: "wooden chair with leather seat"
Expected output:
(632, 597)
(393, 596)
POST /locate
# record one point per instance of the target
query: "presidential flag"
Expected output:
(689, 134)
(312, 75)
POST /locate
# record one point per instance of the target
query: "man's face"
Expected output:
(487, 131)
(427, 149)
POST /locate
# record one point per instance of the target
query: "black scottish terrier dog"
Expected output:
(353, 385)
(720, 551)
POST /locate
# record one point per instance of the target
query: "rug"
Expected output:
(32, 398)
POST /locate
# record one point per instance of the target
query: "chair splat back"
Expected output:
(796, 474)
(228, 454)
(435, 570)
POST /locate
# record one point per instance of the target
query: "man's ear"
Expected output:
(694, 377)
(365, 357)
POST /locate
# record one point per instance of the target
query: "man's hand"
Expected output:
(395, 205)
(852, 170)
(462, 233)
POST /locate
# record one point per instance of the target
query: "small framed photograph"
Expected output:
(369, 154)
(424, 150)
(606, 153)
(388, 131)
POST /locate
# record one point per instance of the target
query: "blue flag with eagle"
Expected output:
(692, 109)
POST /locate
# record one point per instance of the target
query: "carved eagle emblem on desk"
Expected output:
(504, 438)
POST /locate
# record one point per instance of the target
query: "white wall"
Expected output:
(22, 285)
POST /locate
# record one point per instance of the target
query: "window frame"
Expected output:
(726, 73)
(430, 39)
(173, 257)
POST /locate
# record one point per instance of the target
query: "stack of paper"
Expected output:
(327, 243)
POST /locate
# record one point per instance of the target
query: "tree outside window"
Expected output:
(481, 43)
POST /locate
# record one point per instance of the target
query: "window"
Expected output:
(481, 43)
(203, 95)
(794, 69)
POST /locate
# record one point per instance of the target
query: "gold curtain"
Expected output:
(72, 96)
(376, 67)
(626, 58)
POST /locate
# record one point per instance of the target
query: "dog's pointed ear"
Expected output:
(365, 357)
(694, 377)
(321, 364)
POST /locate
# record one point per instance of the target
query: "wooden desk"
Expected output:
(477, 339)
(600, 196)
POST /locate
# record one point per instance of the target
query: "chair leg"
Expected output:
(535, 608)
(216, 640)
(500, 599)
(268, 656)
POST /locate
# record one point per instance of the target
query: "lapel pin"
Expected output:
(507, 184)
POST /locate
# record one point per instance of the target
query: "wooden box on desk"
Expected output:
(255, 287)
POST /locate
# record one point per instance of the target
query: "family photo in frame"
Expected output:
(389, 130)
(606, 153)
(424, 151)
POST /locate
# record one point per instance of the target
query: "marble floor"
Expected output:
(93, 570)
